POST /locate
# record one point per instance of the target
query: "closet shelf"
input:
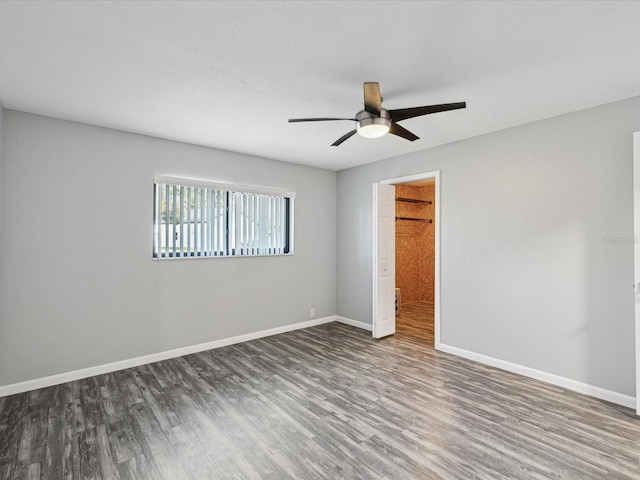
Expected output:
(412, 219)
(413, 200)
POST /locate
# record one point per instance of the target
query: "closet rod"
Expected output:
(413, 200)
(415, 219)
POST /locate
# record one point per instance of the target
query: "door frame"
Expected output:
(436, 223)
(636, 251)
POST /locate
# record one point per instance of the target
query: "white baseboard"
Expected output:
(353, 323)
(29, 385)
(593, 391)
(601, 393)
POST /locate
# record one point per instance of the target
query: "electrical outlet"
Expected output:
(312, 312)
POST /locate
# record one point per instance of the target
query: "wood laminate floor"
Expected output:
(416, 321)
(327, 402)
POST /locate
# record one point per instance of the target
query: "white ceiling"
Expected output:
(230, 74)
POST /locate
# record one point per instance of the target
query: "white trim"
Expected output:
(34, 384)
(234, 187)
(591, 390)
(354, 323)
(636, 252)
(410, 178)
(436, 280)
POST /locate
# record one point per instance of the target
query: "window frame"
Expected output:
(232, 214)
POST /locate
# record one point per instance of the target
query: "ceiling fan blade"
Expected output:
(402, 132)
(292, 120)
(404, 113)
(372, 98)
(343, 138)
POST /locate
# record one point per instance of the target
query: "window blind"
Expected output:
(194, 218)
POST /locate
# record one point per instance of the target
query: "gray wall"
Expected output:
(70, 300)
(1, 156)
(536, 243)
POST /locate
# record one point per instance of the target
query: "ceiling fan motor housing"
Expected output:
(371, 126)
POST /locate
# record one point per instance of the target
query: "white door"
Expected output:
(636, 248)
(384, 257)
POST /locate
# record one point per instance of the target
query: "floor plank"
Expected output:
(328, 402)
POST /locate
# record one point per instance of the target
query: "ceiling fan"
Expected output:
(375, 121)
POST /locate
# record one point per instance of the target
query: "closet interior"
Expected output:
(415, 256)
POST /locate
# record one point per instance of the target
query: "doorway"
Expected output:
(415, 218)
(415, 259)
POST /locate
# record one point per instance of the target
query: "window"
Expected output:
(194, 218)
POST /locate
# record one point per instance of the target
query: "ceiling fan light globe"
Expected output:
(373, 127)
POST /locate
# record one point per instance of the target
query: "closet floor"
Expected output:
(417, 320)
